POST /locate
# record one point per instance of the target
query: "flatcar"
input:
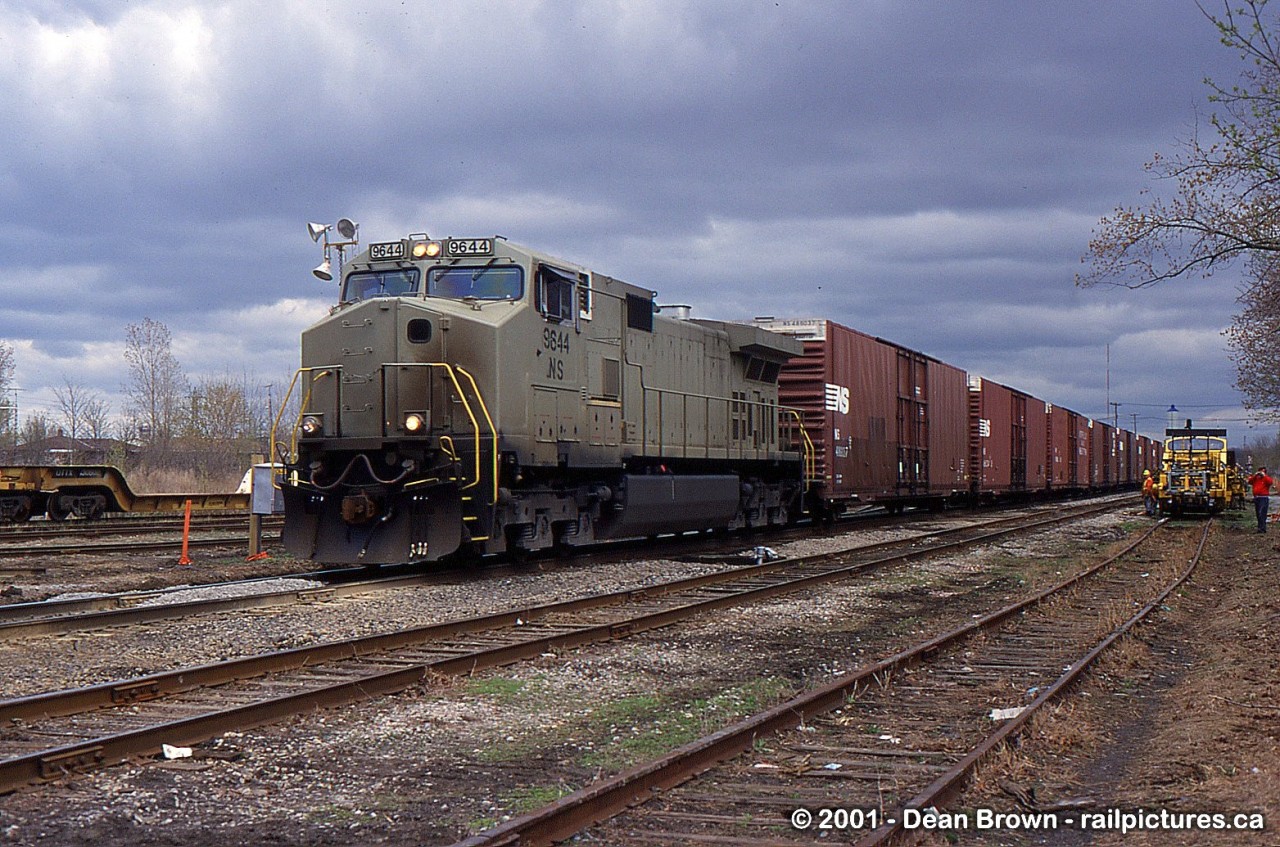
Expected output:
(89, 492)
(474, 395)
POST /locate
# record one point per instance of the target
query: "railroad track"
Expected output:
(84, 540)
(60, 617)
(134, 525)
(111, 722)
(814, 773)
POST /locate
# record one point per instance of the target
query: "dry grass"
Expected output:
(172, 480)
(1006, 763)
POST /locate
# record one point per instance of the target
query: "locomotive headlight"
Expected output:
(426, 249)
(311, 425)
(415, 423)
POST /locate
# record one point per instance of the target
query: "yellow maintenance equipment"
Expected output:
(1197, 472)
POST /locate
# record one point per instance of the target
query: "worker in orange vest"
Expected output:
(1149, 493)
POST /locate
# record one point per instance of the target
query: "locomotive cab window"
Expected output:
(396, 283)
(556, 298)
(487, 282)
(584, 296)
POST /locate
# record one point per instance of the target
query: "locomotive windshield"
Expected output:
(394, 283)
(487, 282)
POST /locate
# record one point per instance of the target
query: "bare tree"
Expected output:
(97, 416)
(82, 411)
(1224, 204)
(1224, 199)
(35, 428)
(157, 384)
(7, 364)
(1253, 336)
(221, 409)
(8, 403)
(125, 430)
(1262, 449)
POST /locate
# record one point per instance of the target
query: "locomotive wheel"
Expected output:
(56, 512)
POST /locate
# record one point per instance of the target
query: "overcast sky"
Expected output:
(929, 172)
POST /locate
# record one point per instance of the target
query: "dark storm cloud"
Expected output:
(929, 172)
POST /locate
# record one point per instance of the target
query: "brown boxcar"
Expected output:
(1068, 450)
(888, 423)
(1008, 431)
(1058, 447)
(1102, 455)
(1149, 450)
(1079, 437)
(1128, 462)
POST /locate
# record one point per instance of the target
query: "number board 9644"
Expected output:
(468, 247)
(385, 250)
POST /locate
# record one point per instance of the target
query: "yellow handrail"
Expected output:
(324, 371)
(484, 407)
(321, 371)
(466, 406)
(808, 451)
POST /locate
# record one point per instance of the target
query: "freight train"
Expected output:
(474, 395)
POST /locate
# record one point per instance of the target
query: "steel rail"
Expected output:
(106, 694)
(949, 784)
(47, 763)
(609, 797)
(27, 620)
(79, 608)
(124, 526)
(126, 546)
(680, 545)
(137, 609)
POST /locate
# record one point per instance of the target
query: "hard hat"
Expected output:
(1146, 473)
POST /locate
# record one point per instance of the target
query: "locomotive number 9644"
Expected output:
(555, 340)
(385, 250)
(469, 246)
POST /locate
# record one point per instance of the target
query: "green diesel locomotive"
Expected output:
(470, 394)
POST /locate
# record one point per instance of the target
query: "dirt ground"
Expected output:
(1179, 726)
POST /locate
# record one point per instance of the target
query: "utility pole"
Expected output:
(1115, 436)
(1109, 403)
